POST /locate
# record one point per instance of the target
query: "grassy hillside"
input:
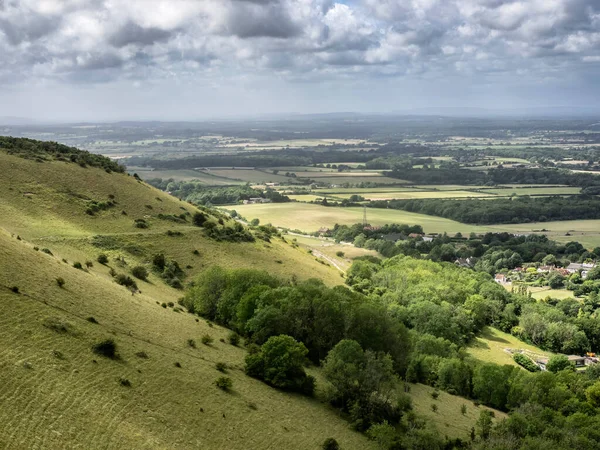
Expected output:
(46, 203)
(55, 392)
(491, 344)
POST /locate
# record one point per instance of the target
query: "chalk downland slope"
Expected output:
(160, 392)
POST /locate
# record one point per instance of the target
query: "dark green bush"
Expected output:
(234, 338)
(207, 339)
(525, 362)
(330, 444)
(126, 280)
(224, 383)
(60, 282)
(106, 348)
(140, 272)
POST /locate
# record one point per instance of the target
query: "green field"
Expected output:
(587, 232)
(490, 346)
(540, 293)
(183, 175)
(448, 418)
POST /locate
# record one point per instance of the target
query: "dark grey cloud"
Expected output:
(28, 28)
(261, 19)
(132, 33)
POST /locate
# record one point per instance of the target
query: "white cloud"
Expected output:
(99, 41)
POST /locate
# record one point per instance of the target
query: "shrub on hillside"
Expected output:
(199, 219)
(106, 348)
(207, 339)
(280, 363)
(140, 223)
(78, 265)
(234, 338)
(330, 444)
(125, 280)
(60, 282)
(525, 362)
(140, 272)
(221, 367)
(224, 383)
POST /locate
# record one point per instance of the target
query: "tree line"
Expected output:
(501, 210)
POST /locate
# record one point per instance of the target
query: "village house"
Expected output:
(500, 278)
(583, 268)
(465, 262)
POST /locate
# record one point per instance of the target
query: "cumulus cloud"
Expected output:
(112, 40)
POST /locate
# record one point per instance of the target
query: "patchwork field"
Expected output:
(310, 217)
(414, 194)
(534, 191)
(183, 175)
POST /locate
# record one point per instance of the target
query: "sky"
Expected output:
(89, 60)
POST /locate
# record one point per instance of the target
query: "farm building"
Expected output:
(254, 200)
(465, 262)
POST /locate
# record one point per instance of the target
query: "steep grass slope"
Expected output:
(55, 392)
(46, 204)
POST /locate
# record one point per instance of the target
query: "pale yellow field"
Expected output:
(417, 194)
(311, 217)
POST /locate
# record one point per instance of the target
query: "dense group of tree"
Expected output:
(411, 319)
(492, 252)
(502, 210)
(198, 193)
(441, 307)
(44, 150)
(452, 173)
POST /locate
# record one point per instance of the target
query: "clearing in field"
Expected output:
(448, 418)
(491, 344)
(329, 250)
